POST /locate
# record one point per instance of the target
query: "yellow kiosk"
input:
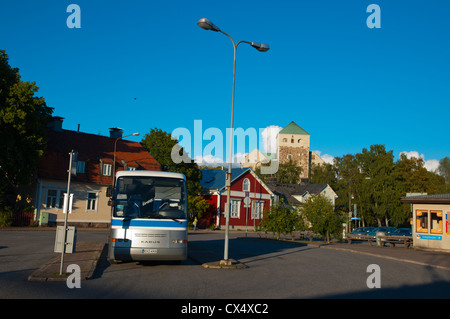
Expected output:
(430, 220)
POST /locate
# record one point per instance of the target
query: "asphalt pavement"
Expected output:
(88, 254)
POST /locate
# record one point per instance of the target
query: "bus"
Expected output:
(149, 217)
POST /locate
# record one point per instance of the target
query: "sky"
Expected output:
(141, 64)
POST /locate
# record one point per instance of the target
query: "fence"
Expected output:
(23, 219)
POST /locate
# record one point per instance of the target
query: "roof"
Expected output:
(288, 191)
(93, 150)
(215, 178)
(151, 174)
(293, 128)
(427, 199)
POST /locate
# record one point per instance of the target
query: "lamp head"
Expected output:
(207, 25)
(261, 47)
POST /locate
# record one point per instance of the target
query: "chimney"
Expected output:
(115, 132)
(55, 123)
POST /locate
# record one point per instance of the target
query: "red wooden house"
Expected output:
(246, 187)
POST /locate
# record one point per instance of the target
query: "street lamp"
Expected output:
(114, 161)
(206, 24)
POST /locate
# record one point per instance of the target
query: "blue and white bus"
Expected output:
(149, 217)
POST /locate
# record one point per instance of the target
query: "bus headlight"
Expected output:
(179, 241)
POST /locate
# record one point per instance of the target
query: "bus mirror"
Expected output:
(109, 191)
(110, 202)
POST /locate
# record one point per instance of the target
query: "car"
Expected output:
(361, 231)
(402, 232)
(387, 230)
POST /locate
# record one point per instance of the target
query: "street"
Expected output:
(276, 270)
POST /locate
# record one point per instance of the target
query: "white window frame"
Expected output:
(235, 210)
(107, 168)
(57, 201)
(91, 203)
(246, 185)
(257, 209)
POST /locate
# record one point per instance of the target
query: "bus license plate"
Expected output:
(149, 251)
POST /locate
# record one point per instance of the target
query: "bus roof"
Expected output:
(150, 174)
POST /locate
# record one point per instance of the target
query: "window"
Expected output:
(422, 221)
(284, 139)
(51, 198)
(55, 198)
(235, 208)
(429, 222)
(81, 165)
(107, 169)
(436, 221)
(246, 185)
(257, 209)
(91, 201)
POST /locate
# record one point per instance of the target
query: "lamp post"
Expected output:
(261, 47)
(114, 161)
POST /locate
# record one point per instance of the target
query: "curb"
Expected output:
(87, 257)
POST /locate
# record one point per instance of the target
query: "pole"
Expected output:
(228, 181)
(66, 212)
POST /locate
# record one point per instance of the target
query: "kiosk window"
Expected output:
(436, 221)
(422, 221)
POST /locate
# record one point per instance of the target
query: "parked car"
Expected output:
(361, 230)
(383, 229)
(402, 232)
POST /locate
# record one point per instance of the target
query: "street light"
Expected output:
(206, 24)
(114, 161)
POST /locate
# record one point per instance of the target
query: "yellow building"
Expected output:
(430, 220)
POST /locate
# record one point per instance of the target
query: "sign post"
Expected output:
(247, 202)
(66, 207)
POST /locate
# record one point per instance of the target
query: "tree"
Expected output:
(288, 173)
(160, 144)
(444, 171)
(319, 212)
(281, 219)
(377, 164)
(22, 136)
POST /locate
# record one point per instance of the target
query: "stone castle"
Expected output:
(293, 145)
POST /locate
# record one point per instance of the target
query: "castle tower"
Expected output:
(293, 144)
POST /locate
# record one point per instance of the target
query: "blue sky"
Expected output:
(145, 64)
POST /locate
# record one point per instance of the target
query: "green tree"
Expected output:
(281, 219)
(288, 173)
(22, 136)
(444, 171)
(377, 164)
(319, 212)
(160, 145)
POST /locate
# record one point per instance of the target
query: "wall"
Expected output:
(299, 151)
(430, 236)
(81, 215)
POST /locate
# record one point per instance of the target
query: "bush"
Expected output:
(281, 219)
(6, 216)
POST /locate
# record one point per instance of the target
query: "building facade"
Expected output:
(250, 198)
(430, 220)
(94, 173)
(293, 144)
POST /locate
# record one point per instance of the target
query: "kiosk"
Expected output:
(430, 220)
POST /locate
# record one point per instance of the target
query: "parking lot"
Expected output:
(276, 269)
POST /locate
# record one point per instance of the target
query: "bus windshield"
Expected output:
(150, 197)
